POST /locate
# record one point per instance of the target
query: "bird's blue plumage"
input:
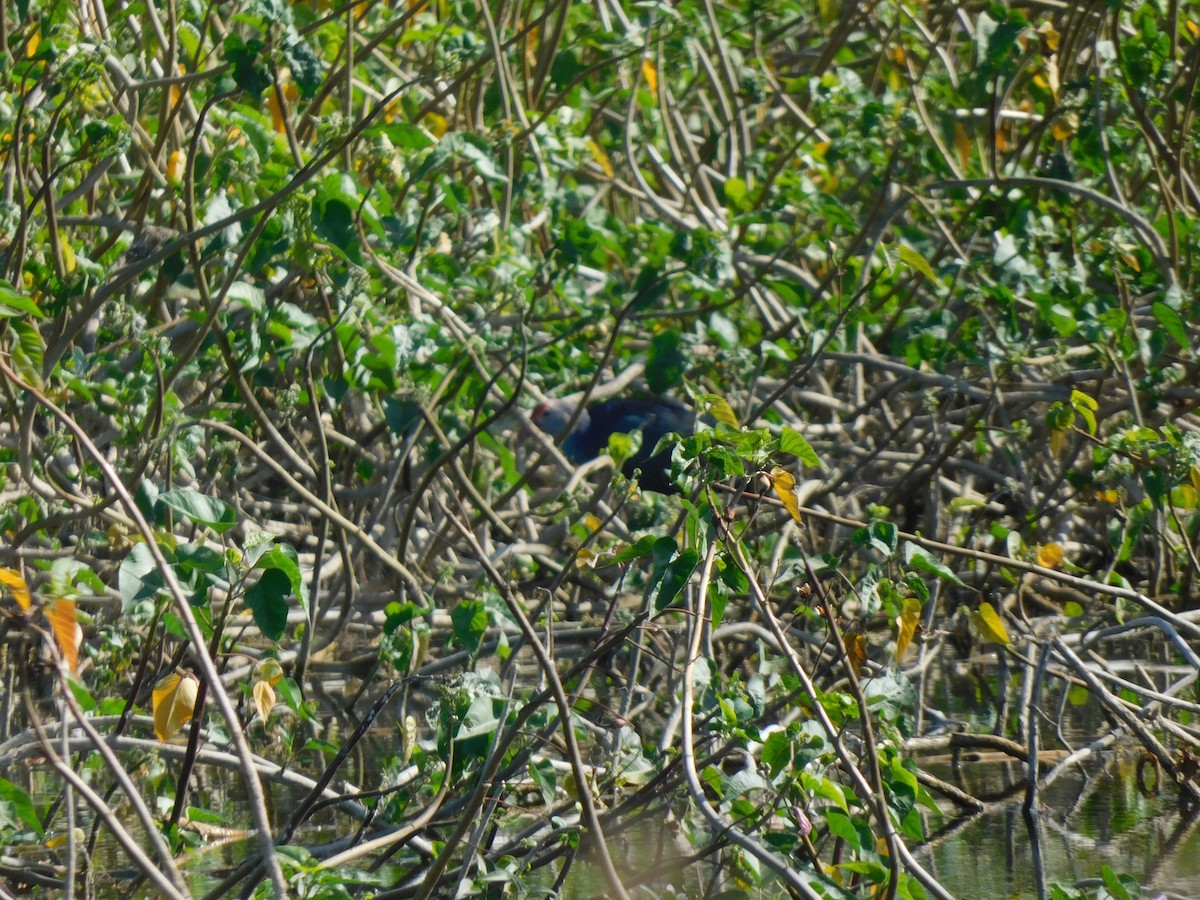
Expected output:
(654, 417)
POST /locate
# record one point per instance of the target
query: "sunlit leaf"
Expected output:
(916, 262)
(173, 701)
(990, 625)
(920, 558)
(13, 580)
(200, 508)
(793, 442)
(784, 483)
(718, 407)
(67, 633)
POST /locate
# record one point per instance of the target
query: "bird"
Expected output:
(655, 417)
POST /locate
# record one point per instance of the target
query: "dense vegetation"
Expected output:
(282, 283)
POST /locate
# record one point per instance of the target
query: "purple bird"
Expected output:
(654, 417)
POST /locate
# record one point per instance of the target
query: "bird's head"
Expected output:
(553, 415)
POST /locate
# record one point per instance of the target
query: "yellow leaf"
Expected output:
(264, 699)
(897, 54)
(1049, 35)
(906, 625)
(1058, 439)
(436, 124)
(65, 625)
(1049, 556)
(784, 483)
(601, 158)
(962, 144)
(278, 122)
(175, 167)
(175, 94)
(12, 580)
(270, 671)
(1109, 496)
(989, 624)
(585, 558)
(1065, 126)
(35, 41)
(68, 258)
(651, 75)
(174, 699)
(1193, 29)
(856, 652)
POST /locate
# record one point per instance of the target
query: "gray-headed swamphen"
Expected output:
(654, 417)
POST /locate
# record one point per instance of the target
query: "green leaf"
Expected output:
(200, 508)
(916, 262)
(283, 558)
(920, 558)
(22, 804)
(793, 442)
(1172, 324)
(1086, 408)
(267, 599)
(28, 353)
(675, 575)
(13, 303)
(718, 407)
(642, 547)
(469, 621)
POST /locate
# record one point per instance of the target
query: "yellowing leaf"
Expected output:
(856, 652)
(68, 634)
(1049, 556)
(916, 262)
(1049, 35)
(278, 122)
(651, 75)
(270, 671)
(1065, 126)
(1109, 496)
(35, 41)
(264, 699)
(989, 624)
(601, 158)
(718, 407)
(784, 483)
(1058, 439)
(906, 625)
(68, 258)
(962, 144)
(175, 167)
(12, 580)
(436, 124)
(174, 700)
(585, 558)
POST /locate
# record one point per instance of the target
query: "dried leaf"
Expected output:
(784, 483)
(264, 699)
(174, 700)
(990, 625)
(65, 625)
(856, 652)
(12, 580)
(962, 144)
(1049, 556)
(906, 625)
